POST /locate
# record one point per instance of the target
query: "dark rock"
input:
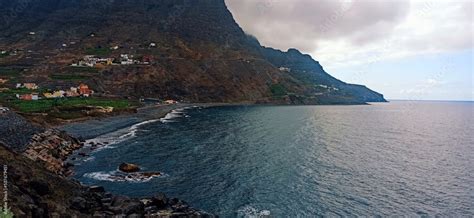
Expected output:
(106, 205)
(79, 203)
(129, 167)
(119, 200)
(68, 165)
(38, 212)
(40, 187)
(109, 213)
(181, 206)
(116, 210)
(44, 207)
(97, 189)
(150, 174)
(107, 195)
(151, 209)
(173, 201)
(133, 207)
(160, 200)
(179, 214)
(106, 200)
(99, 214)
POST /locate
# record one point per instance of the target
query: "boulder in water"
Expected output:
(129, 167)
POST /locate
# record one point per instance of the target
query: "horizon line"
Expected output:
(430, 100)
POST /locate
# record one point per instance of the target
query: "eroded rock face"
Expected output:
(129, 167)
(51, 148)
(36, 192)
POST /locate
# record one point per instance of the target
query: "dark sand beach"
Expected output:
(92, 128)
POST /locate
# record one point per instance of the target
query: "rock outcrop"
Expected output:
(52, 148)
(34, 191)
(37, 169)
(129, 167)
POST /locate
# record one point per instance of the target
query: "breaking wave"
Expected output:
(117, 176)
(252, 212)
(106, 141)
(169, 118)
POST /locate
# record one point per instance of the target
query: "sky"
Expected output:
(404, 49)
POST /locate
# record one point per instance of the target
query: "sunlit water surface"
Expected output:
(399, 158)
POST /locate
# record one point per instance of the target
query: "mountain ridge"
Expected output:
(201, 53)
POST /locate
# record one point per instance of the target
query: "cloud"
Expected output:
(423, 88)
(342, 33)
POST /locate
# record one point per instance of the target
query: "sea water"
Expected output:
(399, 158)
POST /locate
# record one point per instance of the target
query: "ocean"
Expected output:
(400, 158)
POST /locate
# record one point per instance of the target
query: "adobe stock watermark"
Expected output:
(4, 210)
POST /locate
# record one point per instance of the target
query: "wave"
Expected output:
(117, 176)
(106, 141)
(252, 212)
(176, 113)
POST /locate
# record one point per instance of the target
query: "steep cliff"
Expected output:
(199, 52)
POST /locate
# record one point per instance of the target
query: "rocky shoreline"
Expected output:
(50, 149)
(34, 191)
(105, 204)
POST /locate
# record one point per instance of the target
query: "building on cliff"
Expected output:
(31, 86)
(28, 97)
(84, 90)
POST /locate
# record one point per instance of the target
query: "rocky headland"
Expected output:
(37, 167)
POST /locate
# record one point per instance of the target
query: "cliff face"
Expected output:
(34, 191)
(310, 73)
(201, 54)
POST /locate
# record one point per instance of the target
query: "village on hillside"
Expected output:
(80, 91)
(125, 59)
(28, 96)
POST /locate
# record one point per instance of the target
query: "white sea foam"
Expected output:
(252, 212)
(169, 118)
(102, 176)
(89, 158)
(106, 141)
(117, 176)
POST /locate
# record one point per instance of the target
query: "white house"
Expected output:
(126, 62)
(34, 97)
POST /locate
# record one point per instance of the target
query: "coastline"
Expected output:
(95, 127)
(74, 197)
